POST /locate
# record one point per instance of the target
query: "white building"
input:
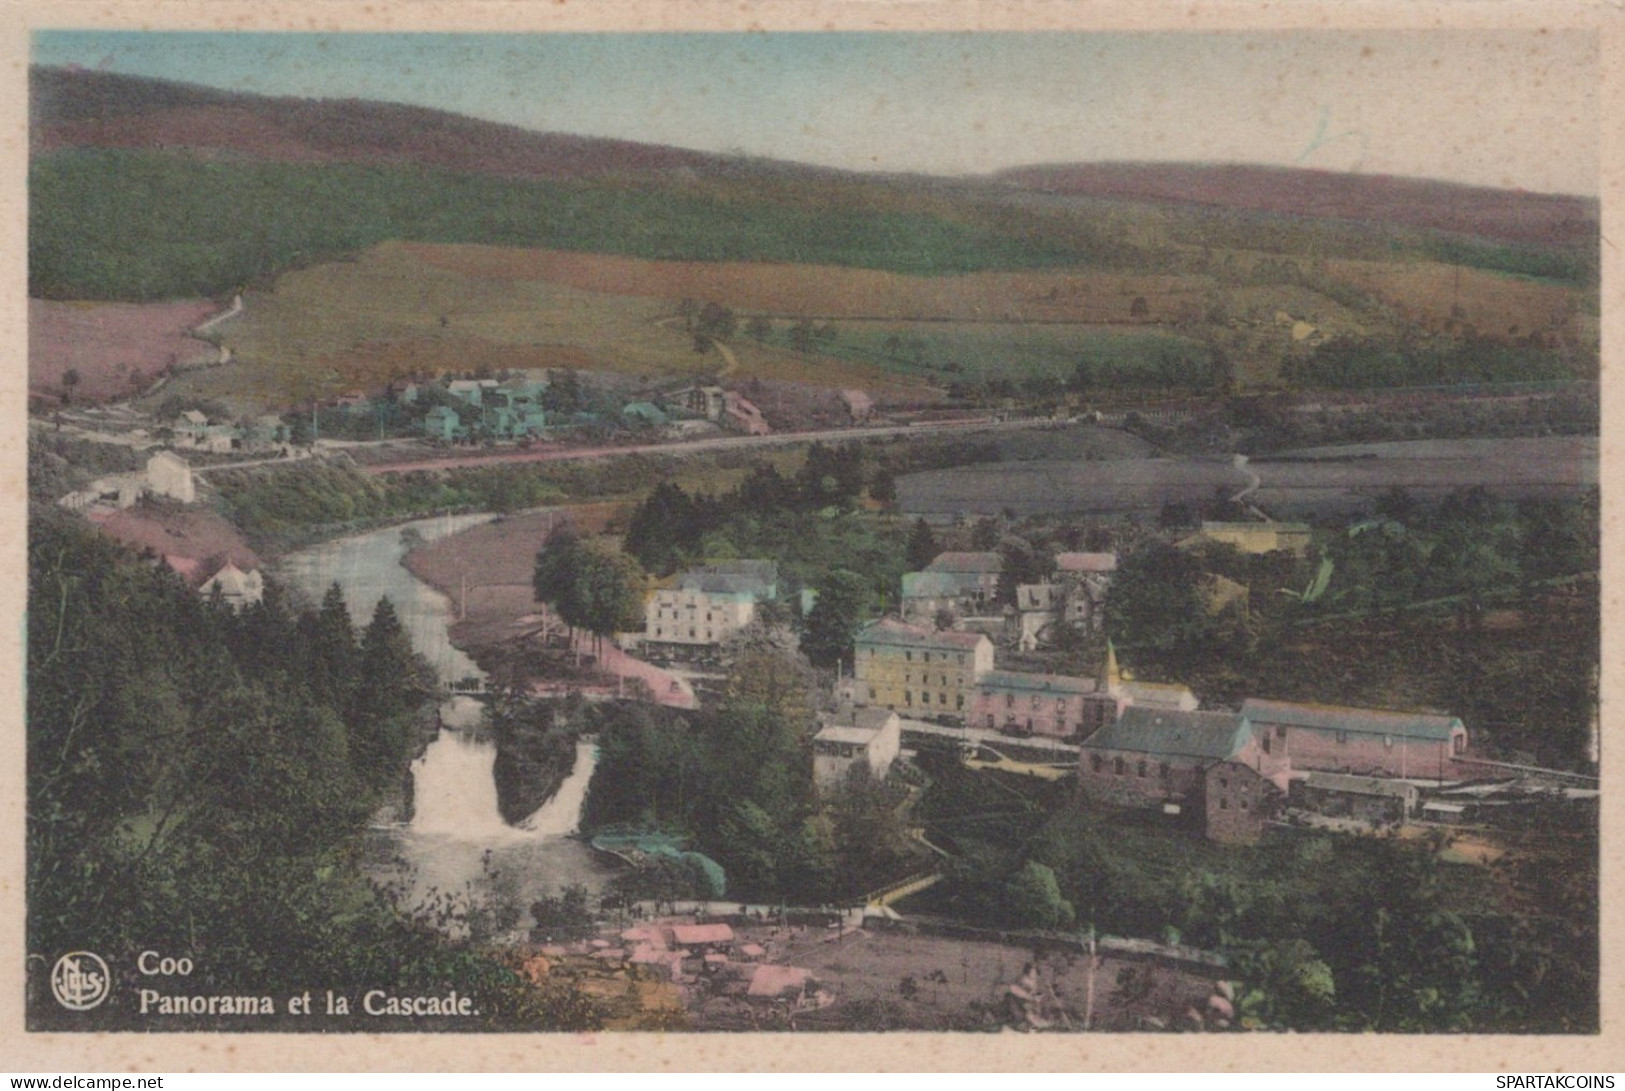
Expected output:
(871, 737)
(237, 588)
(169, 475)
(708, 605)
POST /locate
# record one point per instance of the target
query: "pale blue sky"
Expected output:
(1509, 109)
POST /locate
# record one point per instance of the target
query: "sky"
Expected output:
(1512, 109)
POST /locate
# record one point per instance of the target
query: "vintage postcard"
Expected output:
(544, 527)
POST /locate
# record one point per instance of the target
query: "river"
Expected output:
(456, 847)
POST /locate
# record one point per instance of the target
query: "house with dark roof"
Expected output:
(1186, 763)
(1362, 741)
(926, 594)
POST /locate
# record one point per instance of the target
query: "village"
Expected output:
(944, 674)
(637, 586)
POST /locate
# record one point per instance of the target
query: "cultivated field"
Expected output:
(391, 314)
(1509, 468)
(1496, 304)
(826, 291)
(117, 349)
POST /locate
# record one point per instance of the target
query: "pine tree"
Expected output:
(389, 687)
(333, 651)
(922, 546)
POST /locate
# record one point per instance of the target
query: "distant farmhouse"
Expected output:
(707, 605)
(1075, 595)
(239, 589)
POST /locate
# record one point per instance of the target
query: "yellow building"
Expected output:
(916, 670)
(1254, 537)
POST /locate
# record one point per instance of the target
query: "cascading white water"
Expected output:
(457, 844)
(562, 814)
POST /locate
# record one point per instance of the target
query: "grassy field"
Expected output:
(400, 309)
(114, 349)
(388, 314)
(947, 352)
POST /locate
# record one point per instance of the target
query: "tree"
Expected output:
(883, 488)
(70, 383)
(1020, 564)
(393, 682)
(834, 619)
(802, 336)
(663, 529)
(333, 652)
(922, 545)
(1156, 605)
(565, 393)
(715, 322)
(759, 327)
(555, 578)
(1033, 898)
(608, 593)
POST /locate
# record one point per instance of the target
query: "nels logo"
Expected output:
(80, 981)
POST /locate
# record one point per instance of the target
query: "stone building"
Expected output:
(1207, 767)
(867, 737)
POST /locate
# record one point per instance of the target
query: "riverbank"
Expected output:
(485, 571)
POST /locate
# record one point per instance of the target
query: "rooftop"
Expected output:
(869, 719)
(925, 585)
(901, 634)
(1215, 736)
(845, 733)
(1365, 721)
(1365, 786)
(1086, 562)
(1035, 683)
(966, 562)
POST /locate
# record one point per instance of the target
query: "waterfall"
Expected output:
(562, 814)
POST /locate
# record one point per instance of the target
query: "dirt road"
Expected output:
(724, 443)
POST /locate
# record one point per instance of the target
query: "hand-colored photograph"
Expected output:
(1052, 532)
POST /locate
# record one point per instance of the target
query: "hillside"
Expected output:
(1506, 215)
(142, 189)
(81, 109)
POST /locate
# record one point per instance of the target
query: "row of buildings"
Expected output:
(964, 585)
(1231, 772)
(512, 409)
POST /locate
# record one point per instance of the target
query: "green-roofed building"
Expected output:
(1207, 768)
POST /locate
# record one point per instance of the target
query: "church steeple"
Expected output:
(1112, 678)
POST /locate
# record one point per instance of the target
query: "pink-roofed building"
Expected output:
(917, 671)
(741, 415)
(702, 935)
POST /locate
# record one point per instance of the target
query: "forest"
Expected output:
(199, 781)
